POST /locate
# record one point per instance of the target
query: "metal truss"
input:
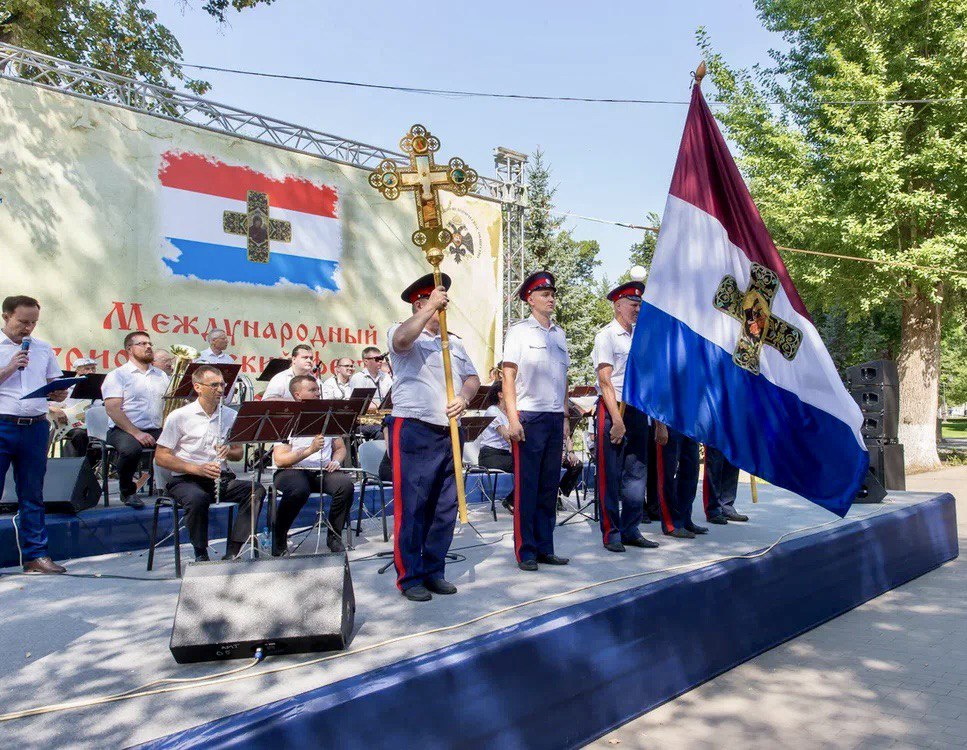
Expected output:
(510, 167)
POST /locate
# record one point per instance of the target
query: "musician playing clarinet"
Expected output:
(192, 447)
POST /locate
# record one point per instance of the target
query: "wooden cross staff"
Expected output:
(425, 179)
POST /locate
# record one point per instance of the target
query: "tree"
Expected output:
(885, 181)
(642, 252)
(119, 36)
(580, 310)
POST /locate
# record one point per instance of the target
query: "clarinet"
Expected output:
(218, 447)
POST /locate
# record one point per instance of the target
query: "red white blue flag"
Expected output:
(298, 224)
(724, 350)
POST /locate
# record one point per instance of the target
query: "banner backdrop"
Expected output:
(117, 220)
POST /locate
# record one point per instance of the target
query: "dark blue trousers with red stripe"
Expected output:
(720, 483)
(537, 474)
(424, 499)
(677, 480)
(622, 474)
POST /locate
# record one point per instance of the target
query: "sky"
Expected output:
(609, 161)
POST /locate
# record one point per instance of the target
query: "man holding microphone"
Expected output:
(26, 364)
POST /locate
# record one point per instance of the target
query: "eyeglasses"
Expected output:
(140, 343)
(217, 386)
(380, 358)
(350, 366)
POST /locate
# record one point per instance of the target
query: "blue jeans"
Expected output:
(26, 448)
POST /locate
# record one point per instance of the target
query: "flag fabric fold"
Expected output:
(724, 350)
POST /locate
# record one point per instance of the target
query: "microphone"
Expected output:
(24, 346)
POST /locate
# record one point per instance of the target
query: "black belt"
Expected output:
(22, 421)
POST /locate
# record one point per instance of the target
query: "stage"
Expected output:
(549, 659)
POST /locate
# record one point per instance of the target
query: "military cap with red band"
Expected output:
(633, 289)
(422, 288)
(535, 282)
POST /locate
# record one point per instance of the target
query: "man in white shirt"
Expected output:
(338, 387)
(535, 393)
(622, 430)
(72, 412)
(215, 354)
(305, 465)
(424, 490)
(302, 364)
(193, 449)
(134, 401)
(26, 364)
(164, 361)
(372, 375)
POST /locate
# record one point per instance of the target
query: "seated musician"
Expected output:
(305, 465)
(373, 376)
(495, 452)
(303, 361)
(338, 386)
(193, 450)
(71, 413)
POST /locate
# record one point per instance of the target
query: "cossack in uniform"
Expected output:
(424, 485)
(622, 467)
(720, 483)
(541, 357)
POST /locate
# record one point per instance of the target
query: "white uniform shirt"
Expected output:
(141, 393)
(315, 461)
(419, 391)
(333, 389)
(490, 437)
(278, 387)
(41, 368)
(611, 347)
(210, 358)
(382, 383)
(542, 360)
(192, 435)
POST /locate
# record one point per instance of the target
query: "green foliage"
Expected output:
(642, 252)
(581, 309)
(850, 342)
(881, 181)
(119, 36)
(953, 355)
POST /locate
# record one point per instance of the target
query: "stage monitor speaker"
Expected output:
(70, 486)
(886, 463)
(877, 372)
(872, 490)
(286, 605)
(879, 426)
(878, 398)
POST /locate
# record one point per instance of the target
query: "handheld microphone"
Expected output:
(24, 346)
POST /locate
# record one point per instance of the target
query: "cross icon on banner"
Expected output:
(753, 309)
(256, 225)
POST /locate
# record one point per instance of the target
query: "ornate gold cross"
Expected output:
(256, 225)
(753, 309)
(425, 179)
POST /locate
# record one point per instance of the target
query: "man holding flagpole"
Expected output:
(726, 353)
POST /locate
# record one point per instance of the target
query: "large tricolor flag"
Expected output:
(724, 350)
(208, 211)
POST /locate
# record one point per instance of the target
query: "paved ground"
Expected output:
(889, 674)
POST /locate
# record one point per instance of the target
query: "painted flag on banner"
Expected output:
(724, 350)
(297, 230)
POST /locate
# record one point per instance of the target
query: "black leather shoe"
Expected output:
(680, 534)
(639, 542)
(508, 504)
(614, 547)
(133, 501)
(527, 565)
(335, 544)
(418, 593)
(733, 515)
(718, 520)
(696, 529)
(552, 560)
(203, 558)
(440, 586)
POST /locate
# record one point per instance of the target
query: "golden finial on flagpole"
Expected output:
(699, 73)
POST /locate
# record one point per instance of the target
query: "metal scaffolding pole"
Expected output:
(510, 166)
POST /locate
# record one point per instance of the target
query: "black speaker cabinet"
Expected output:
(877, 372)
(886, 463)
(70, 486)
(872, 490)
(286, 605)
(879, 425)
(878, 398)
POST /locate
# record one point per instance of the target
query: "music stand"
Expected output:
(184, 388)
(578, 411)
(478, 401)
(89, 388)
(386, 404)
(261, 422)
(273, 368)
(474, 427)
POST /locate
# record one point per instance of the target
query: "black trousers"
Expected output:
(78, 444)
(130, 452)
(195, 494)
(501, 460)
(296, 485)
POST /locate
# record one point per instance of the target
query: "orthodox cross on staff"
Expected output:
(256, 225)
(425, 179)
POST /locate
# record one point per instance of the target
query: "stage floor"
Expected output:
(67, 638)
